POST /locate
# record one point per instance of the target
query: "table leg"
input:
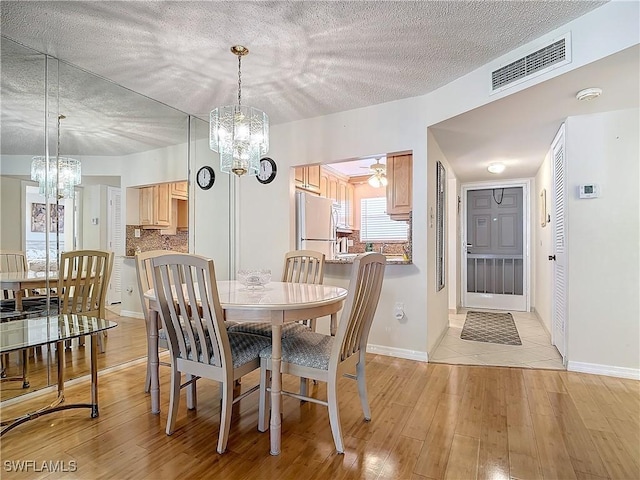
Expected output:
(19, 294)
(154, 361)
(94, 375)
(276, 387)
(334, 323)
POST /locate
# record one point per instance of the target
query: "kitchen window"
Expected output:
(375, 224)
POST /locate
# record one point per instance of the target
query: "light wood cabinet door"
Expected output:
(163, 204)
(350, 205)
(333, 188)
(324, 185)
(308, 178)
(146, 200)
(399, 189)
(180, 190)
(155, 206)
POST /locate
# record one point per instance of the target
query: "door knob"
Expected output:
(552, 257)
(469, 245)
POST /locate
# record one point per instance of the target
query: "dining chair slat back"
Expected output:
(144, 270)
(327, 358)
(83, 281)
(198, 341)
(303, 266)
(11, 262)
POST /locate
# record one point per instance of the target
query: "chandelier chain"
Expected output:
(239, 80)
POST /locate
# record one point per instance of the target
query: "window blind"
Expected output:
(375, 224)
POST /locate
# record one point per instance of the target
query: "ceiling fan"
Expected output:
(379, 177)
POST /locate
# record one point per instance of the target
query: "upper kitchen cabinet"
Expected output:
(180, 190)
(399, 189)
(308, 178)
(155, 206)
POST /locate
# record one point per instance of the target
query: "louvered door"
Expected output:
(116, 244)
(559, 258)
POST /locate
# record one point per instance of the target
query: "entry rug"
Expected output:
(490, 327)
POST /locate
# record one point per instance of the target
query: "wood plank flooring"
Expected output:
(430, 421)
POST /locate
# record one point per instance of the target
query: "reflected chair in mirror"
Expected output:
(326, 358)
(34, 302)
(144, 271)
(83, 280)
(198, 340)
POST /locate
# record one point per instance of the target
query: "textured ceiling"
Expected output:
(307, 58)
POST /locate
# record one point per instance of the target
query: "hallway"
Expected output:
(536, 350)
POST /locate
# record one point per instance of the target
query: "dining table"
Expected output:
(21, 335)
(276, 303)
(19, 282)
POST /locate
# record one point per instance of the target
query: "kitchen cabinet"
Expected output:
(308, 178)
(155, 206)
(399, 189)
(350, 220)
(180, 190)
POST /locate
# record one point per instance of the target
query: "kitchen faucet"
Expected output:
(382, 247)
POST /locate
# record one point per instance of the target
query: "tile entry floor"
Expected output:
(536, 350)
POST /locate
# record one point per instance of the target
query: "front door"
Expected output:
(494, 264)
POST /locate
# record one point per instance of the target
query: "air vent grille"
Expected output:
(546, 57)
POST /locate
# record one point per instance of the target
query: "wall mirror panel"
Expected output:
(124, 142)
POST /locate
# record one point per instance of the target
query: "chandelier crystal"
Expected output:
(57, 177)
(240, 134)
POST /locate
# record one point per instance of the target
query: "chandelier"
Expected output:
(240, 134)
(379, 178)
(56, 178)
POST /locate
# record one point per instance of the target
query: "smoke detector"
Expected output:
(589, 93)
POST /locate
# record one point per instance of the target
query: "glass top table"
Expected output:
(20, 335)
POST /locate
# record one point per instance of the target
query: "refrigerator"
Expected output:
(316, 219)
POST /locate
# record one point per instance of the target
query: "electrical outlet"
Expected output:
(136, 233)
(349, 242)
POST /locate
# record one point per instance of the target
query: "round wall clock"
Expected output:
(206, 177)
(267, 171)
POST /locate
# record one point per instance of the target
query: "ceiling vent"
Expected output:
(553, 55)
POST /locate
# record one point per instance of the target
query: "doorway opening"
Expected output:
(495, 260)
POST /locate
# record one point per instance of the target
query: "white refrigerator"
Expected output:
(315, 224)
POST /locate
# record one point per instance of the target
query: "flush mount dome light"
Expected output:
(589, 93)
(496, 168)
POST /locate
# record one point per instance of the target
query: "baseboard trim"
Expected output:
(131, 313)
(398, 353)
(607, 370)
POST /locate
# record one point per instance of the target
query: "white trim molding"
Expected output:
(398, 352)
(131, 313)
(608, 370)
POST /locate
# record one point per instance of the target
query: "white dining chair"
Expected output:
(326, 358)
(198, 341)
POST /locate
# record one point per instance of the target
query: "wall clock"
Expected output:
(267, 171)
(206, 177)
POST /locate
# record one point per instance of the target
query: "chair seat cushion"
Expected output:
(308, 349)
(244, 348)
(264, 329)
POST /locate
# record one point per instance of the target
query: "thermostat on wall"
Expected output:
(589, 190)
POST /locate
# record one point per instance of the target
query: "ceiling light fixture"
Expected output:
(496, 168)
(238, 133)
(56, 178)
(379, 178)
(589, 93)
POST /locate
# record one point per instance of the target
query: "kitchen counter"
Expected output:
(348, 259)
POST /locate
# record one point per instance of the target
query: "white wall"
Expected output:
(10, 214)
(604, 241)
(265, 212)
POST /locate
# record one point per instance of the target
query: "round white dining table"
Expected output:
(276, 303)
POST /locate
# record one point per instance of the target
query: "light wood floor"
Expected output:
(430, 421)
(124, 343)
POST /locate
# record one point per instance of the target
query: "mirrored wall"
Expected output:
(125, 142)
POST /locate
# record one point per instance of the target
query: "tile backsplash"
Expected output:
(153, 240)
